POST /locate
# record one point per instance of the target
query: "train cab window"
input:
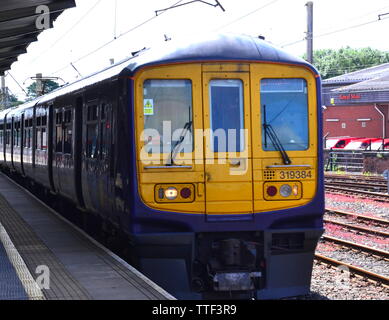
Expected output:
(92, 131)
(167, 104)
(284, 109)
(227, 117)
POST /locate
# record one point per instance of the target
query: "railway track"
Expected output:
(374, 186)
(353, 218)
(358, 247)
(357, 192)
(381, 255)
(366, 186)
(358, 228)
(355, 178)
(378, 278)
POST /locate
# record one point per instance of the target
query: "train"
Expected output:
(204, 154)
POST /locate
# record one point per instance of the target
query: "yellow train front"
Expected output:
(229, 198)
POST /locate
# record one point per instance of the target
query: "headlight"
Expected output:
(171, 193)
(285, 190)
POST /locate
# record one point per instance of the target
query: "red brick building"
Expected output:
(357, 104)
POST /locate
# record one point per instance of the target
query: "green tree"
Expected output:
(48, 86)
(12, 101)
(331, 63)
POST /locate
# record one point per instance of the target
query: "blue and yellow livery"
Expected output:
(204, 155)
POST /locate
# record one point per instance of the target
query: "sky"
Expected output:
(95, 31)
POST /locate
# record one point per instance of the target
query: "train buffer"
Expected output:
(45, 257)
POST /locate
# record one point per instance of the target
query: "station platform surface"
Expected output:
(45, 257)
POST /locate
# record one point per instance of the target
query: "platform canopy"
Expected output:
(21, 21)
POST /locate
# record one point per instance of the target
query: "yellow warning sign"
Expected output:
(148, 107)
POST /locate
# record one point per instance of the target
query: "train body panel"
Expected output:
(139, 145)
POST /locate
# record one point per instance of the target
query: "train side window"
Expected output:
(44, 139)
(8, 134)
(92, 131)
(38, 143)
(58, 132)
(103, 111)
(29, 137)
(67, 132)
(91, 146)
(17, 135)
(104, 126)
(92, 113)
(58, 142)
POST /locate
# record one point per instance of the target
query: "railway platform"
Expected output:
(45, 257)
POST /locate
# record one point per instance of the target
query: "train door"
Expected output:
(58, 148)
(227, 147)
(105, 158)
(21, 146)
(90, 172)
(13, 139)
(50, 145)
(78, 120)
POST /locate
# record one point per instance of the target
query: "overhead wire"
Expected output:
(67, 32)
(111, 41)
(331, 32)
(246, 15)
(9, 73)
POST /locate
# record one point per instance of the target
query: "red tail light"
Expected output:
(271, 191)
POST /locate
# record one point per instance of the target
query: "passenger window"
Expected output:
(8, 134)
(104, 126)
(68, 132)
(38, 138)
(58, 143)
(58, 132)
(227, 116)
(92, 132)
(167, 111)
(44, 139)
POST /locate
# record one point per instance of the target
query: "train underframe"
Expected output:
(267, 264)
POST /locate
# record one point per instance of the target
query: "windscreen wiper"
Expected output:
(184, 131)
(269, 131)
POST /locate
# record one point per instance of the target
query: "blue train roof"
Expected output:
(212, 47)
